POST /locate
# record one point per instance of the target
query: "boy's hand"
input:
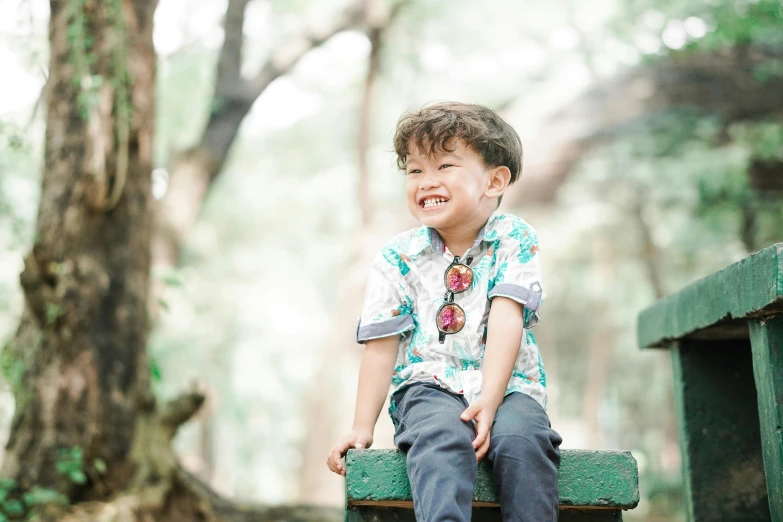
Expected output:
(484, 415)
(355, 439)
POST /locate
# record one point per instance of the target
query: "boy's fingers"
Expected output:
(481, 435)
(469, 413)
(331, 464)
(335, 456)
(482, 451)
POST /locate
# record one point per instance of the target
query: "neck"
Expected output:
(459, 239)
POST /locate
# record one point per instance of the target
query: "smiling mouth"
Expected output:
(433, 203)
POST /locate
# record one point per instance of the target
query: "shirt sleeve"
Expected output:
(519, 271)
(388, 306)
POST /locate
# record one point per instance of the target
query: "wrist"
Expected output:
(493, 400)
(363, 428)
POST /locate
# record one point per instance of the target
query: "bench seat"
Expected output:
(592, 485)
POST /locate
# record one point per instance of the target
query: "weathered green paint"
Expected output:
(606, 479)
(745, 289)
(766, 339)
(718, 428)
(376, 514)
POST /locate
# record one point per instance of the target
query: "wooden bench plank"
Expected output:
(767, 346)
(711, 306)
(595, 479)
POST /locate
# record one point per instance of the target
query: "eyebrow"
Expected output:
(444, 156)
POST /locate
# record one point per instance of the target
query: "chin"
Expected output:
(437, 221)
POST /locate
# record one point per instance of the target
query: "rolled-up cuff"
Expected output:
(395, 326)
(530, 298)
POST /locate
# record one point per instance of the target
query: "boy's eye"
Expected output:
(414, 171)
(445, 166)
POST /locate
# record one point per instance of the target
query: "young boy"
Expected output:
(446, 321)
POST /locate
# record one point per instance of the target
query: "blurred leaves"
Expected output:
(70, 462)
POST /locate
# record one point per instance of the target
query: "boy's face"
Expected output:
(449, 189)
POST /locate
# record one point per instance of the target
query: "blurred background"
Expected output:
(653, 132)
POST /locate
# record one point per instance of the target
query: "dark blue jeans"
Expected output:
(524, 456)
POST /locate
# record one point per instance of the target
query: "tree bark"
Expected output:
(80, 344)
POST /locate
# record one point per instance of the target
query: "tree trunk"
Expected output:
(80, 345)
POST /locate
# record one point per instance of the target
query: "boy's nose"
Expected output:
(428, 181)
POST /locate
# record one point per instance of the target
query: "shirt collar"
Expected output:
(429, 237)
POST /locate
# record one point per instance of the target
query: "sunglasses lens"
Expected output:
(451, 319)
(459, 278)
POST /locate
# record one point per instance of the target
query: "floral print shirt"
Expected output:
(406, 287)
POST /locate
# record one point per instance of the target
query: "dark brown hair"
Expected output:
(433, 128)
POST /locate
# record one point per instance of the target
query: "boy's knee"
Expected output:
(522, 431)
(520, 414)
(521, 445)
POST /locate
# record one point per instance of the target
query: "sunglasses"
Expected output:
(450, 318)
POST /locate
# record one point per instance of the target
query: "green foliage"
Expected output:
(12, 367)
(155, 371)
(38, 496)
(121, 80)
(13, 507)
(53, 312)
(83, 58)
(15, 504)
(763, 139)
(172, 279)
(12, 137)
(99, 465)
(70, 462)
(740, 23)
(9, 506)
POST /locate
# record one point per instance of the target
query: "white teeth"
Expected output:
(432, 202)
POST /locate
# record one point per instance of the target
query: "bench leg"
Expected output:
(718, 429)
(767, 344)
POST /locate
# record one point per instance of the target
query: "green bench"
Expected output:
(594, 486)
(725, 335)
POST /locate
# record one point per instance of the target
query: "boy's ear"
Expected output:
(499, 177)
